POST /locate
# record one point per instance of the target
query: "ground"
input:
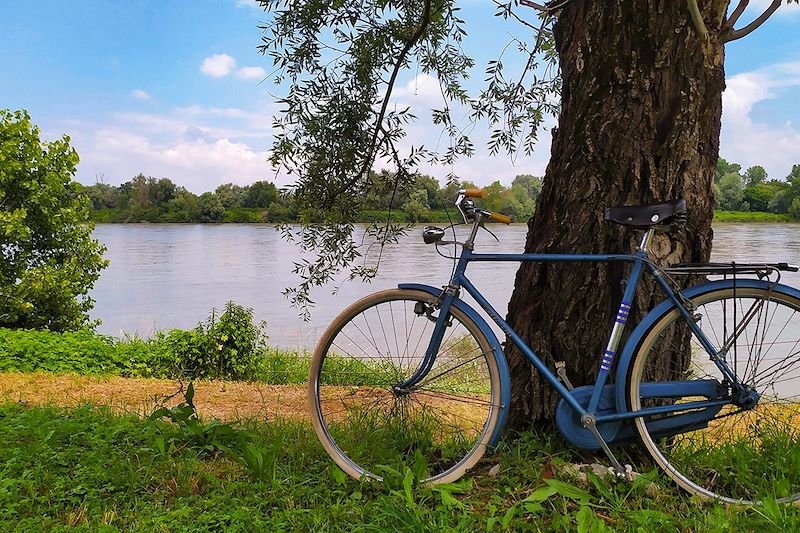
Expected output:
(224, 400)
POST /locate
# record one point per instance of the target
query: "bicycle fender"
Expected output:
(502, 365)
(643, 327)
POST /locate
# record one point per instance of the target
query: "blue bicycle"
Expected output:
(707, 381)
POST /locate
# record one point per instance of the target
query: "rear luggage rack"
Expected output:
(710, 269)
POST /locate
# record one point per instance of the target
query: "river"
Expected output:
(166, 276)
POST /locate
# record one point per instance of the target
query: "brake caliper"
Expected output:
(425, 308)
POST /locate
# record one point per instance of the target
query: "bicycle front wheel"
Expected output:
(440, 427)
(741, 452)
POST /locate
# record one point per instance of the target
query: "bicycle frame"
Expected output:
(640, 262)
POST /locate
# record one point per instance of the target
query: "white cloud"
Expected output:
(227, 112)
(197, 163)
(218, 65)
(745, 139)
(215, 122)
(141, 95)
(248, 3)
(195, 146)
(251, 73)
(423, 91)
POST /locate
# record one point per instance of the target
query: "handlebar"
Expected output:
(475, 193)
(500, 217)
(467, 207)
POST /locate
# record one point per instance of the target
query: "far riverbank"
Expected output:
(438, 216)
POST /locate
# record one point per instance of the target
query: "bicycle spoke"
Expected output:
(741, 453)
(441, 420)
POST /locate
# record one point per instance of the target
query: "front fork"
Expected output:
(443, 321)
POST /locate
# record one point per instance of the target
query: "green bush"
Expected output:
(226, 346)
(750, 216)
(223, 348)
(80, 351)
(50, 261)
(243, 215)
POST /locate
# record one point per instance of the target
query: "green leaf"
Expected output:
(338, 475)
(569, 491)
(541, 494)
(585, 518)
(408, 485)
(509, 515)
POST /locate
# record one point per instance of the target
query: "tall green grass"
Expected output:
(94, 471)
(85, 352)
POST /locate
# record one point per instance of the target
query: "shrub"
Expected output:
(75, 351)
(243, 215)
(50, 261)
(223, 348)
(226, 346)
(794, 209)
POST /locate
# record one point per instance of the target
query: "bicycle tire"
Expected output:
(441, 428)
(742, 455)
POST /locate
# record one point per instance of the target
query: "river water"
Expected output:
(166, 276)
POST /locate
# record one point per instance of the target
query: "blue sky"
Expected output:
(177, 89)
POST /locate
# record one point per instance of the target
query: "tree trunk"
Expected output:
(640, 122)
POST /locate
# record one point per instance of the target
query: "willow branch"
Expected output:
(415, 37)
(549, 7)
(747, 30)
(534, 5)
(519, 19)
(697, 19)
(737, 12)
(533, 52)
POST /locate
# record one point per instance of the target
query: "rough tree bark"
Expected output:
(640, 122)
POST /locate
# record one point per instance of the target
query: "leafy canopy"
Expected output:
(339, 62)
(49, 259)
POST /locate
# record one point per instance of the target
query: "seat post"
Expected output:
(646, 238)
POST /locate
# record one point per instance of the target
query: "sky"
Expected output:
(177, 89)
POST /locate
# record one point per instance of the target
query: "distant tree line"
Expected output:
(752, 191)
(147, 199)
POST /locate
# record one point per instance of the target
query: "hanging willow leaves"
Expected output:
(338, 63)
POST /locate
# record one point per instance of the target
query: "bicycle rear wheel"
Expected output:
(441, 427)
(736, 453)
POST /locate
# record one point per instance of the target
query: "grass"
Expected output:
(88, 353)
(90, 469)
(752, 216)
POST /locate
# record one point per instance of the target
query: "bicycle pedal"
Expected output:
(561, 371)
(623, 474)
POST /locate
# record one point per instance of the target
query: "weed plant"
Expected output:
(224, 347)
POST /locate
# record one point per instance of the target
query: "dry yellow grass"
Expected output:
(467, 412)
(223, 400)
